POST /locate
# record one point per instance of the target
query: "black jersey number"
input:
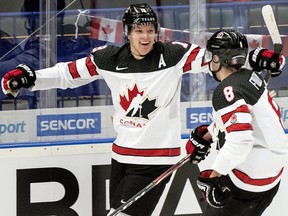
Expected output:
(229, 93)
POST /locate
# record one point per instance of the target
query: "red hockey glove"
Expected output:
(21, 76)
(198, 147)
(213, 191)
(260, 59)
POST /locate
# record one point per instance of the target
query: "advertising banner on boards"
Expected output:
(86, 123)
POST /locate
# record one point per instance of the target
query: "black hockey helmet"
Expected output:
(230, 45)
(138, 14)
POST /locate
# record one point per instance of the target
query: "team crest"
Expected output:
(233, 119)
(137, 104)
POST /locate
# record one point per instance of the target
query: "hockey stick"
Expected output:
(271, 25)
(153, 184)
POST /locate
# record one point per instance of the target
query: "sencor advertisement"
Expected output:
(45, 125)
(67, 124)
(198, 116)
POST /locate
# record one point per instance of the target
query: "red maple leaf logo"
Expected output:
(254, 44)
(107, 29)
(125, 102)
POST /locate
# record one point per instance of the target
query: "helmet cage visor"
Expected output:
(232, 57)
(208, 56)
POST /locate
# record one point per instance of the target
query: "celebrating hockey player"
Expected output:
(144, 76)
(251, 142)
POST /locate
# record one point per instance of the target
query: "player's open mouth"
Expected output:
(144, 43)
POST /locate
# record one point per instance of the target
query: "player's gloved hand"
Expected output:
(213, 190)
(197, 146)
(260, 59)
(21, 76)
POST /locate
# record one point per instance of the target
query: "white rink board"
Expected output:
(82, 160)
(80, 165)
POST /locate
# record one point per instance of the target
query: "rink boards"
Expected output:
(58, 161)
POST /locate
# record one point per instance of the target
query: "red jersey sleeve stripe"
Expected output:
(191, 57)
(73, 70)
(146, 152)
(91, 67)
(227, 116)
(239, 127)
(276, 109)
(259, 182)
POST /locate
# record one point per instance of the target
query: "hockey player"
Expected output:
(144, 76)
(247, 129)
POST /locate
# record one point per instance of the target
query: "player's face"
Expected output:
(142, 38)
(215, 63)
(215, 66)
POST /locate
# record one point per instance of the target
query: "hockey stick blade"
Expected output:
(269, 19)
(153, 184)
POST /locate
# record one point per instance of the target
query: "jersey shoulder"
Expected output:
(244, 84)
(177, 46)
(105, 56)
(175, 50)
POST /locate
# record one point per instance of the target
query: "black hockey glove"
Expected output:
(213, 191)
(198, 147)
(260, 59)
(21, 76)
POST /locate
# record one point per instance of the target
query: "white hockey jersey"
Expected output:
(145, 94)
(253, 147)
